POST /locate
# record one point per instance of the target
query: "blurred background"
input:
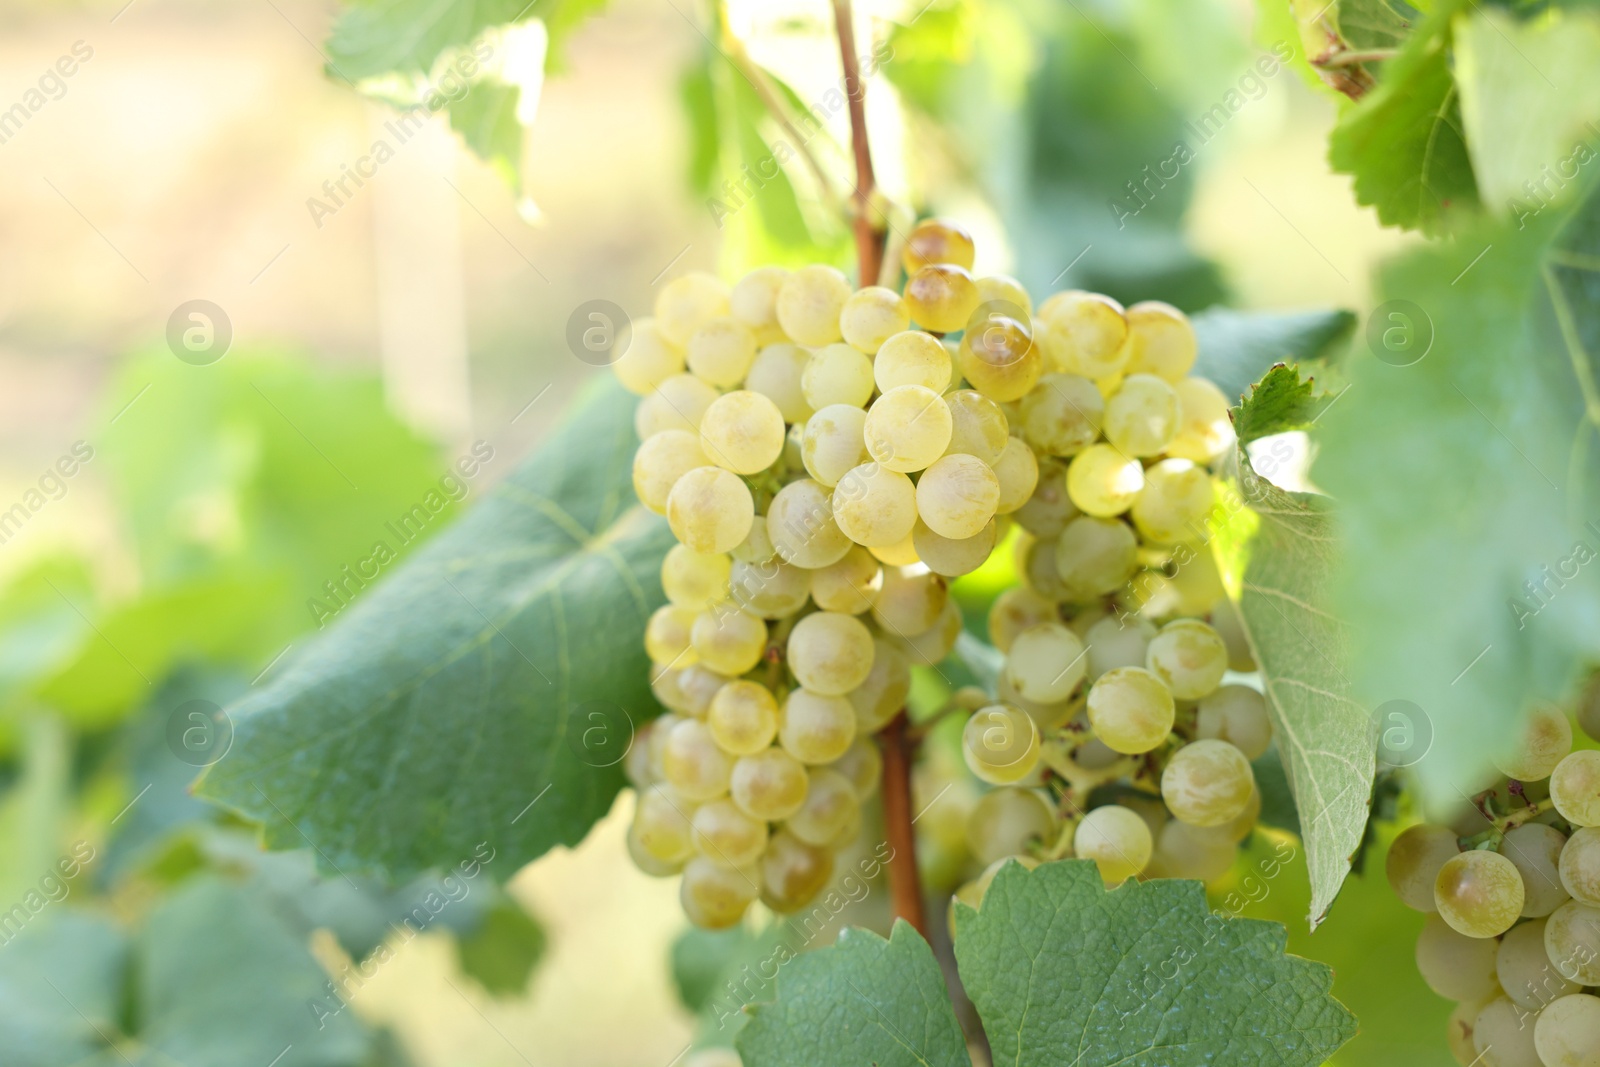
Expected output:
(370, 345)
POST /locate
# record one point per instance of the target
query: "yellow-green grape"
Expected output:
(687, 303)
(776, 375)
(1236, 714)
(1239, 828)
(1535, 850)
(1000, 744)
(698, 684)
(837, 374)
(884, 691)
(648, 864)
(937, 240)
(801, 527)
(693, 764)
(1182, 850)
(793, 872)
(849, 584)
(910, 602)
(1063, 415)
(753, 300)
(1086, 333)
(1047, 512)
(912, 357)
(695, 580)
(1575, 788)
(871, 316)
(1130, 709)
(1478, 893)
(756, 546)
(1580, 865)
(724, 834)
(1037, 562)
(1415, 860)
(715, 896)
(666, 636)
(1047, 717)
(1116, 839)
(647, 359)
(978, 426)
(1572, 941)
(1226, 621)
(1208, 783)
(742, 432)
(636, 763)
(932, 645)
(1458, 1031)
(728, 640)
(661, 460)
(1568, 1032)
(1205, 431)
(902, 553)
(661, 823)
(769, 785)
(1115, 643)
(1016, 610)
(1189, 657)
(997, 355)
(1521, 964)
(1543, 739)
(830, 653)
(1103, 482)
(772, 590)
(907, 428)
(809, 303)
(875, 506)
(722, 351)
(1176, 499)
(861, 765)
(1197, 584)
(1095, 556)
(953, 557)
(957, 496)
(678, 403)
(1046, 663)
(1458, 967)
(1141, 416)
(1502, 1035)
(666, 687)
(709, 509)
(941, 297)
(832, 443)
(814, 727)
(829, 808)
(1007, 822)
(743, 718)
(1018, 473)
(1160, 341)
(660, 730)
(1002, 288)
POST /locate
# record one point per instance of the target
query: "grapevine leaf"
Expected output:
(505, 948)
(1064, 971)
(1281, 401)
(699, 99)
(57, 981)
(1370, 24)
(487, 120)
(482, 695)
(1238, 347)
(406, 36)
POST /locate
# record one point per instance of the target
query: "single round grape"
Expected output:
(1103, 482)
(1007, 822)
(1046, 663)
(661, 460)
(722, 351)
(678, 403)
(692, 763)
(884, 691)
(932, 645)
(1000, 744)
(725, 835)
(997, 355)
(661, 824)
(1048, 717)
(1017, 470)
(1095, 557)
(695, 580)
(685, 304)
(1142, 415)
(729, 640)
(1580, 865)
(1479, 893)
(910, 601)
(1063, 415)
(871, 316)
(901, 553)
(793, 872)
(941, 297)
(1521, 965)
(771, 590)
(837, 374)
(1197, 585)
(830, 653)
(1543, 739)
(801, 526)
(936, 240)
(862, 765)
(1535, 850)
(753, 300)
(1049, 509)
(1189, 657)
(816, 728)
(743, 718)
(636, 763)
(647, 358)
(907, 428)
(666, 687)
(715, 896)
(1173, 507)
(1568, 1032)
(829, 808)
(1205, 431)
(1502, 1036)
(1572, 941)
(1208, 783)
(848, 584)
(1016, 610)
(709, 509)
(1160, 341)
(644, 861)
(1236, 714)
(994, 288)
(742, 432)
(769, 785)
(809, 303)
(1204, 853)
(912, 357)
(697, 685)
(666, 636)
(875, 506)
(1116, 839)
(1414, 861)
(1115, 642)
(776, 375)
(978, 426)
(957, 496)
(1575, 788)
(1454, 966)
(1131, 710)
(1086, 333)
(756, 546)
(1225, 619)
(833, 444)
(953, 557)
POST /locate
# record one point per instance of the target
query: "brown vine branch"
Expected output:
(905, 883)
(869, 235)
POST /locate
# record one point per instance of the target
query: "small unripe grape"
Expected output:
(709, 509)
(1176, 499)
(1016, 610)
(1095, 556)
(1535, 850)
(902, 553)
(695, 767)
(695, 580)
(1503, 1036)
(1543, 739)
(910, 602)
(957, 496)
(1205, 431)
(1414, 862)
(1455, 966)
(742, 432)
(1086, 333)
(1116, 839)
(756, 546)
(661, 824)
(1007, 822)
(687, 303)
(753, 300)
(941, 297)
(862, 766)
(936, 240)
(849, 584)
(1103, 482)
(875, 506)
(728, 640)
(932, 645)
(830, 653)
(1141, 416)
(647, 359)
(1458, 1031)
(1049, 509)
(776, 375)
(1182, 850)
(1580, 865)
(907, 428)
(793, 872)
(871, 316)
(1479, 893)
(678, 403)
(770, 590)
(769, 785)
(1160, 341)
(1018, 472)
(912, 357)
(1046, 663)
(1189, 657)
(832, 444)
(1238, 715)
(881, 696)
(978, 426)
(1568, 1032)
(801, 526)
(743, 718)
(1063, 415)
(1575, 788)
(1572, 941)
(997, 354)
(666, 636)
(714, 896)
(809, 303)
(1115, 643)
(1521, 965)
(725, 835)
(837, 374)
(816, 728)
(953, 557)
(1000, 744)
(722, 351)
(829, 808)
(661, 460)
(1208, 783)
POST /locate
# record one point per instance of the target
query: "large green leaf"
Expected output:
(1238, 347)
(485, 692)
(60, 989)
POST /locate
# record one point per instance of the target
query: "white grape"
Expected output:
(830, 806)
(685, 304)
(714, 896)
(830, 653)
(1580, 865)
(1543, 739)
(1209, 783)
(1046, 663)
(932, 645)
(1189, 657)
(871, 316)
(1535, 850)
(661, 823)
(1160, 340)
(678, 403)
(776, 375)
(721, 351)
(801, 527)
(1017, 470)
(743, 718)
(1103, 482)
(793, 872)
(753, 300)
(771, 590)
(1575, 788)
(832, 443)
(907, 428)
(1502, 1035)
(953, 557)
(1116, 839)
(666, 636)
(1568, 1032)
(1016, 610)
(1455, 966)
(875, 506)
(693, 764)
(1131, 710)
(1205, 430)
(1521, 964)
(912, 357)
(1006, 822)
(695, 580)
(710, 509)
(884, 691)
(756, 546)
(729, 640)
(1086, 333)
(837, 374)
(1414, 861)
(742, 432)
(957, 496)
(1000, 744)
(1572, 940)
(910, 601)
(647, 358)
(978, 426)
(814, 727)
(1047, 512)
(661, 460)
(769, 785)
(1095, 556)
(1063, 415)
(809, 303)
(1176, 499)
(725, 835)
(1236, 714)
(1479, 893)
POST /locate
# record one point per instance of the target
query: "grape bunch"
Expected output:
(1511, 887)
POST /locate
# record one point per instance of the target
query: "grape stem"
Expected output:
(761, 82)
(869, 237)
(905, 882)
